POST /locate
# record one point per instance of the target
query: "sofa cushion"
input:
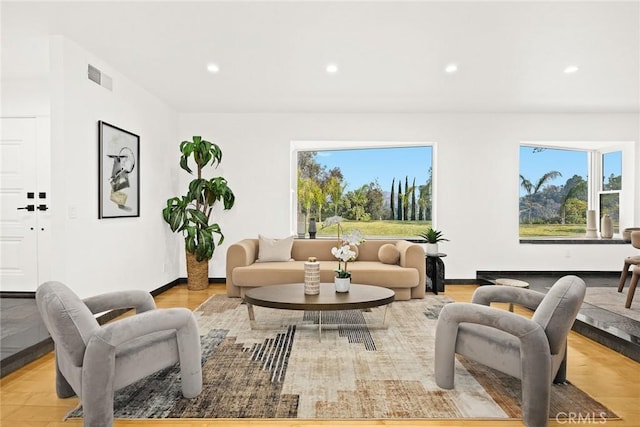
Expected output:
(388, 254)
(270, 250)
(367, 272)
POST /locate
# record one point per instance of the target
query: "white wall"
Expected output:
(476, 176)
(476, 181)
(25, 97)
(96, 255)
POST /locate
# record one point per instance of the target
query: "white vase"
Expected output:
(432, 248)
(592, 230)
(342, 285)
(606, 227)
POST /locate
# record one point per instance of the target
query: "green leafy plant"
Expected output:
(433, 236)
(191, 214)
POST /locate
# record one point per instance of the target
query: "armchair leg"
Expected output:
(536, 385)
(63, 388)
(190, 358)
(445, 351)
(561, 375)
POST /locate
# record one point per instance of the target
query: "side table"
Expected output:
(435, 272)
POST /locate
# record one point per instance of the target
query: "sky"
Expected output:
(568, 162)
(360, 167)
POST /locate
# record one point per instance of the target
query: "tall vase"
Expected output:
(311, 277)
(592, 230)
(606, 227)
(343, 285)
(312, 228)
(197, 273)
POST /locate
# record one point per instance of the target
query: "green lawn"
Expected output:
(553, 230)
(411, 229)
(380, 228)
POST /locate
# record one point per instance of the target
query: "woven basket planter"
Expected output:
(197, 273)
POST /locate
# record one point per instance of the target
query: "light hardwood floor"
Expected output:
(28, 398)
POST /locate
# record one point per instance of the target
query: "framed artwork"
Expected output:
(118, 172)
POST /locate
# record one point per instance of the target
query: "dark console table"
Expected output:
(435, 272)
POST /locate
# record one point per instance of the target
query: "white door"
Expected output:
(19, 204)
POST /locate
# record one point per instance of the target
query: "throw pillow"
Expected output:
(270, 250)
(388, 254)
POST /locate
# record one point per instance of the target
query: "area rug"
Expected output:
(351, 372)
(608, 298)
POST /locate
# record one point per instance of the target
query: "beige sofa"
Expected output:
(406, 278)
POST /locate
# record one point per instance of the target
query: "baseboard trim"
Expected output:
(182, 281)
(17, 294)
(544, 272)
(461, 282)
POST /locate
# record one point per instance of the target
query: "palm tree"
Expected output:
(532, 189)
(334, 190)
(307, 191)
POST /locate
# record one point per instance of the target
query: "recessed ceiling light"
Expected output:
(571, 69)
(213, 68)
(451, 68)
(332, 68)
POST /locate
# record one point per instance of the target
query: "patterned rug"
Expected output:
(353, 372)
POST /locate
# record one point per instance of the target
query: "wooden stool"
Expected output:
(512, 282)
(630, 260)
(632, 287)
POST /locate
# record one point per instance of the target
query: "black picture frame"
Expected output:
(118, 172)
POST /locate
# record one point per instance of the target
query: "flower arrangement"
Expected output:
(344, 254)
(343, 251)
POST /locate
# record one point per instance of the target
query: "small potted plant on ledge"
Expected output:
(432, 237)
(192, 214)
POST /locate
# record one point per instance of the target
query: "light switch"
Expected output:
(73, 212)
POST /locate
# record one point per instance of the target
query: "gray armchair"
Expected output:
(93, 361)
(532, 350)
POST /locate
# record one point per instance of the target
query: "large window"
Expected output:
(381, 191)
(559, 184)
(611, 186)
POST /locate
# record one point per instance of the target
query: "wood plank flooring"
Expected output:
(28, 398)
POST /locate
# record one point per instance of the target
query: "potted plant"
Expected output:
(345, 252)
(191, 214)
(343, 276)
(432, 237)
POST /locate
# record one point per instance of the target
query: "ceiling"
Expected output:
(390, 55)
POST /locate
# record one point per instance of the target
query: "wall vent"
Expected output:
(99, 77)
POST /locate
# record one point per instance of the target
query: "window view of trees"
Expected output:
(609, 196)
(400, 207)
(554, 192)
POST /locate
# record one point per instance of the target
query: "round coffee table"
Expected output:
(292, 297)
